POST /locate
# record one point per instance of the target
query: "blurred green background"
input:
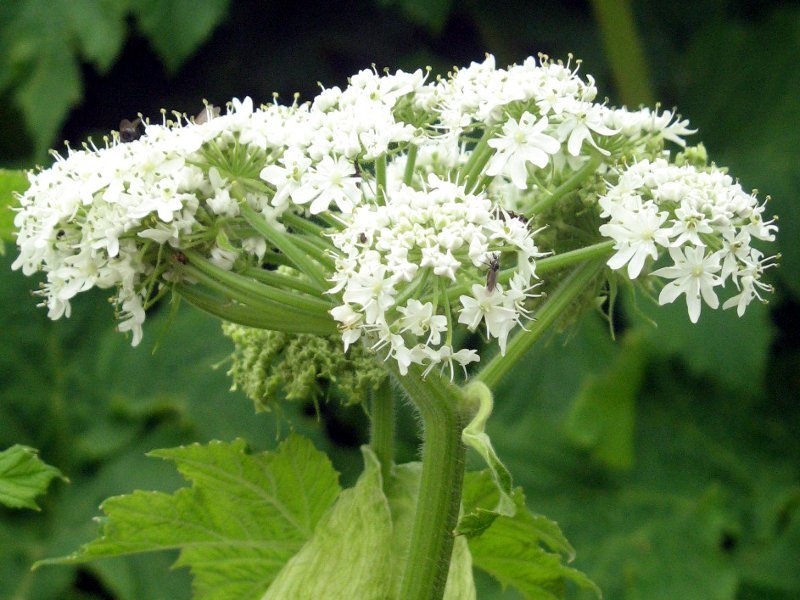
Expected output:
(671, 457)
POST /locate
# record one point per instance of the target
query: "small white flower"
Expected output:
(288, 179)
(522, 142)
(578, 124)
(373, 290)
(489, 307)
(693, 274)
(350, 322)
(329, 181)
(637, 234)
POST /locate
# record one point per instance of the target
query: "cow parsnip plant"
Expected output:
(360, 239)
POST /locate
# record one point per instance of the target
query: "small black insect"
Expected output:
(491, 274)
(181, 258)
(362, 237)
(129, 130)
(510, 214)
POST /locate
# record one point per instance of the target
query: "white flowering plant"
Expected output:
(420, 230)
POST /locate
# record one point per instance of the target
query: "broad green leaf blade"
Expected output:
(480, 494)
(11, 182)
(176, 28)
(359, 547)
(244, 517)
(349, 555)
(526, 551)
(602, 417)
(23, 476)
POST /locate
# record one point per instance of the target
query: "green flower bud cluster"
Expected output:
(270, 366)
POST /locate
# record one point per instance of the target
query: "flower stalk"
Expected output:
(570, 289)
(287, 246)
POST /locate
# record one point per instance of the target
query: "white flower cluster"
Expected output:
(98, 217)
(412, 184)
(553, 98)
(702, 218)
(400, 261)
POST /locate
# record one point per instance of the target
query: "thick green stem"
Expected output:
(254, 291)
(566, 293)
(440, 405)
(381, 434)
(280, 280)
(250, 316)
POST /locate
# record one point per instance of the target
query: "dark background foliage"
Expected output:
(670, 457)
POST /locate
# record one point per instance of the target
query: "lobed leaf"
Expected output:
(23, 476)
(525, 551)
(176, 28)
(243, 518)
(349, 555)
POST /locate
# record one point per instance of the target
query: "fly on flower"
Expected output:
(491, 274)
(129, 130)
(507, 215)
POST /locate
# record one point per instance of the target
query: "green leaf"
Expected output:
(176, 28)
(37, 56)
(23, 476)
(358, 549)
(708, 508)
(243, 518)
(349, 555)
(43, 42)
(525, 551)
(11, 182)
(602, 417)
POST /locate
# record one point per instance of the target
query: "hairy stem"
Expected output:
(440, 406)
(381, 434)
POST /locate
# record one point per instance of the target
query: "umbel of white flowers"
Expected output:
(400, 208)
